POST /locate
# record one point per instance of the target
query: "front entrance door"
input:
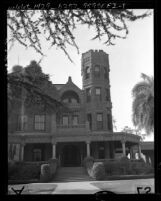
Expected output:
(71, 156)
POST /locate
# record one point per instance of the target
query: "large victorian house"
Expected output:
(84, 130)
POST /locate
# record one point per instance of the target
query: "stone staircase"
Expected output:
(70, 174)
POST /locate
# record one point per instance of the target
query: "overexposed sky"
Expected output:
(128, 58)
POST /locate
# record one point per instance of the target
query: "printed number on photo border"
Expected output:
(143, 189)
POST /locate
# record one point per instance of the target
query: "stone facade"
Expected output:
(84, 130)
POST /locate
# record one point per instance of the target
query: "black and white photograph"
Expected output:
(80, 95)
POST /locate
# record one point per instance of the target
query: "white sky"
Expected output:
(128, 59)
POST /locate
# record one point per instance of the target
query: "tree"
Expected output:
(143, 104)
(127, 129)
(34, 87)
(57, 26)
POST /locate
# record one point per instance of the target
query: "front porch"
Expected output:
(71, 150)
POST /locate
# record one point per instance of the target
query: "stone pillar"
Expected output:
(131, 153)
(139, 150)
(22, 152)
(147, 159)
(123, 147)
(88, 148)
(54, 150)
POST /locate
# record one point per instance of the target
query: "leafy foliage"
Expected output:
(143, 104)
(32, 86)
(57, 26)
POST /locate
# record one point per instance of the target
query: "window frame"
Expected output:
(77, 119)
(40, 122)
(88, 95)
(99, 123)
(21, 118)
(99, 96)
(63, 121)
(87, 74)
(97, 74)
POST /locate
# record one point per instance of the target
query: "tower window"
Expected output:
(105, 73)
(109, 122)
(99, 121)
(87, 72)
(97, 71)
(107, 94)
(88, 94)
(39, 122)
(98, 93)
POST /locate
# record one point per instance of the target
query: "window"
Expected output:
(99, 121)
(98, 93)
(22, 122)
(75, 120)
(97, 71)
(88, 94)
(37, 155)
(87, 72)
(109, 122)
(107, 94)
(39, 122)
(86, 59)
(73, 100)
(105, 73)
(65, 120)
(66, 100)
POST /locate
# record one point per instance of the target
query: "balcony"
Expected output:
(69, 130)
(73, 105)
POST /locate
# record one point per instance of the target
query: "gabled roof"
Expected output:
(58, 86)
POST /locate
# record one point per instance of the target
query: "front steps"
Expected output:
(71, 174)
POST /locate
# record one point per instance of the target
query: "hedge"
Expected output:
(23, 171)
(126, 166)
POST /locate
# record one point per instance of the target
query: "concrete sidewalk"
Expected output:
(85, 187)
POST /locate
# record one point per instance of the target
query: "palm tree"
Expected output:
(143, 104)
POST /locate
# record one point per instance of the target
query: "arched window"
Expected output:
(97, 71)
(70, 97)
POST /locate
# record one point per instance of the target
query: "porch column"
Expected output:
(22, 151)
(123, 147)
(131, 153)
(88, 148)
(139, 150)
(54, 151)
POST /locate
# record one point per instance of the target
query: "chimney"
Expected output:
(69, 79)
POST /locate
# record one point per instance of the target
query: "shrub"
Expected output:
(124, 163)
(53, 162)
(45, 175)
(98, 171)
(112, 167)
(88, 162)
(23, 171)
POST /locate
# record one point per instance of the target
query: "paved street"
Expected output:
(87, 187)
